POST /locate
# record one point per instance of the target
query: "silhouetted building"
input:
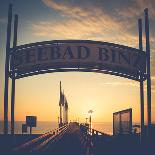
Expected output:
(60, 105)
(63, 104)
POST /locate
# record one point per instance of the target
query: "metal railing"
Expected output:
(88, 138)
(42, 141)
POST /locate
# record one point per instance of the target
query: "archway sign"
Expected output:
(75, 55)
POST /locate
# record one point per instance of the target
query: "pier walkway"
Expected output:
(69, 144)
(65, 141)
(72, 139)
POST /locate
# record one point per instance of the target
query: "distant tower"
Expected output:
(63, 108)
(60, 105)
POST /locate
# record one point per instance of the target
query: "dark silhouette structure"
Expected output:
(122, 122)
(78, 139)
(63, 104)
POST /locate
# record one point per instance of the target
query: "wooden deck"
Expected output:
(72, 139)
(64, 142)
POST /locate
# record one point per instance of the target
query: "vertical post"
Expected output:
(13, 76)
(130, 121)
(30, 129)
(113, 124)
(141, 84)
(120, 119)
(7, 70)
(60, 105)
(148, 71)
(12, 103)
(90, 123)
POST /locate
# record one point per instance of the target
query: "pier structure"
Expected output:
(79, 56)
(74, 138)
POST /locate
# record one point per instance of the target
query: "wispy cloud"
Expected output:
(131, 84)
(136, 8)
(84, 23)
(95, 23)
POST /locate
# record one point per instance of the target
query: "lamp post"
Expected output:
(90, 112)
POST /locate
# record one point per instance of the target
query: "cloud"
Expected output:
(131, 84)
(83, 22)
(86, 29)
(67, 8)
(136, 8)
(88, 21)
(93, 22)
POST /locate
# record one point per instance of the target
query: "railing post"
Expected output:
(92, 131)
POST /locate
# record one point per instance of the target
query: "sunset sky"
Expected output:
(102, 20)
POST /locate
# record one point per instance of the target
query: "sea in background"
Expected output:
(43, 127)
(105, 127)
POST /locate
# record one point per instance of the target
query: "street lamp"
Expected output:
(90, 112)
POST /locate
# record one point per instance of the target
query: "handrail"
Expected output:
(53, 133)
(96, 132)
(92, 131)
(88, 137)
(56, 136)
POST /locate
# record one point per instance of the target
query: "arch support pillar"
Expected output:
(7, 70)
(141, 86)
(147, 35)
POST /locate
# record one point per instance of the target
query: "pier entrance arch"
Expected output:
(77, 55)
(74, 55)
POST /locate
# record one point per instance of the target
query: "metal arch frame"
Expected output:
(84, 68)
(88, 69)
(71, 41)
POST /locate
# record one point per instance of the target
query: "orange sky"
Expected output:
(104, 94)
